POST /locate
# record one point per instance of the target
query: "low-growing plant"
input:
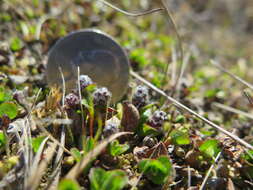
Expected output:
(157, 170)
(104, 180)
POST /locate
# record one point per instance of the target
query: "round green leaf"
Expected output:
(9, 109)
(68, 184)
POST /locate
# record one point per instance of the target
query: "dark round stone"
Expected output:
(97, 54)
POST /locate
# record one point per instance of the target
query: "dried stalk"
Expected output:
(179, 105)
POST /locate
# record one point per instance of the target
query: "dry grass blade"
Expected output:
(178, 104)
(233, 110)
(27, 149)
(40, 24)
(10, 177)
(34, 180)
(63, 86)
(78, 168)
(81, 106)
(54, 139)
(173, 67)
(248, 96)
(189, 176)
(131, 14)
(216, 64)
(38, 157)
(209, 171)
(182, 70)
(54, 178)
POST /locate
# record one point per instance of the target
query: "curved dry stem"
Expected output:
(170, 18)
(172, 21)
(131, 14)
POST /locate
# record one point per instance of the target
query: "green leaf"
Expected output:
(156, 170)
(116, 149)
(210, 148)
(89, 145)
(115, 180)
(36, 142)
(8, 108)
(91, 88)
(207, 132)
(16, 44)
(103, 180)
(2, 139)
(68, 184)
(4, 95)
(138, 55)
(145, 116)
(248, 156)
(97, 177)
(180, 119)
(147, 130)
(76, 153)
(179, 137)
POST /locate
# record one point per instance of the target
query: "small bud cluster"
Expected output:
(140, 96)
(157, 119)
(85, 81)
(110, 129)
(101, 96)
(72, 100)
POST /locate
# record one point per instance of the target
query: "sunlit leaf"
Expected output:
(36, 142)
(76, 153)
(179, 137)
(2, 139)
(156, 170)
(16, 44)
(210, 148)
(8, 108)
(146, 130)
(4, 95)
(68, 184)
(116, 149)
(103, 180)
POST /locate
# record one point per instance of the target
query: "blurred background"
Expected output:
(217, 29)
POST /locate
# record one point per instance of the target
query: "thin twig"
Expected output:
(131, 14)
(189, 176)
(63, 86)
(55, 140)
(54, 178)
(216, 64)
(173, 66)
(80, 98)
(171, 20)
(209, 171)
(248, 96)
(178, 104)
(40, 24)
(233, 110)
(182, 70)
